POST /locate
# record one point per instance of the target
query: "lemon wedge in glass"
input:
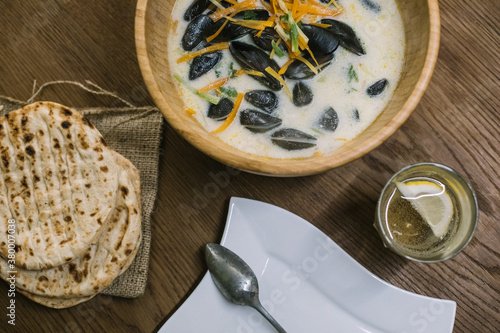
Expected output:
(431, 201)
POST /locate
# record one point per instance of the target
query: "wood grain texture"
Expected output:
(456, 123)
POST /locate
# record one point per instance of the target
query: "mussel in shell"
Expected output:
(302, 94)
(203, 63)
(377, 88)
(355, 115)
(292, 139)
(321, 41)
(345, 34)
(196, 8)
(258, 122)
(329, 121)
(196, 31)
(300, 71)
(372, 5)
(252, 58)
(221, 110)
(265, 100)
(264, 41)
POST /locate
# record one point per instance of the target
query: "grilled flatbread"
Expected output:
(103, 261)
(58, 180)
(54, 302)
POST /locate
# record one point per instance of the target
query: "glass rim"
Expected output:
(470, 234)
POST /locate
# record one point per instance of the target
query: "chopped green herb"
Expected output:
(208, 97)
(249, 15)
(352, 74)
(299, 24)
(232, 71)
(294, 33)
(229, 91)
(351, 90)
(283, 17)
(321, 79)
(279, 52)
(317, 131)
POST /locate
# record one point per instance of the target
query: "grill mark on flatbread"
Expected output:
(64, 157)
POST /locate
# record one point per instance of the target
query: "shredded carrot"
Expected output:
(211, 48)
(232, 2)
(273, 2)
(247, 4)
(232, 115)
(278, 77)
(317, 154)
(242, 71)
(314, 10)
(252, 72)
(322, 25)
(295, 5)
(190, 111)
(213, 85)
(343, 140)
(210, 38)
(312, 56)
(285, 66)
(332, 2)
(252, 24)
(308, 64)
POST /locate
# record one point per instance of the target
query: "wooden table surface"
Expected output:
(456, 123)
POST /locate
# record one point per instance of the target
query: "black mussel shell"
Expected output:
(345, 34)
(258, 122)
(203, 63)
(252, 58)
(266, 38)
(265, 100)
(355, 114)
(196, 8)
(372, 5)
(221, 110)
(292, 139)
(300, 71)
(377, 88)
(321, 41)
(229, 32)
(302, 94)
(253, 14)
(196, 31)
(329, 120)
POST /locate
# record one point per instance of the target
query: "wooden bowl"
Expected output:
(421, 23)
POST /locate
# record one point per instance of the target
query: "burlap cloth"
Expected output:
(134, 132)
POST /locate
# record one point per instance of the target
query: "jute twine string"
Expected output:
(135, 132)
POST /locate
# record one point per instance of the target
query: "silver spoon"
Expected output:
(236, 280)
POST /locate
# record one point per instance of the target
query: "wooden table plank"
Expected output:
(457, 123)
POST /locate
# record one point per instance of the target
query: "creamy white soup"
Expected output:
(312, 113)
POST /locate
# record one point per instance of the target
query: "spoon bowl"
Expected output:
(236, 280)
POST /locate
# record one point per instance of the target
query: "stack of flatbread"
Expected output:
(75, 202)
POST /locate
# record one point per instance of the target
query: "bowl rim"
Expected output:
(204, 141)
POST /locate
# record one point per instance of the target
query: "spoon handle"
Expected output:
(257, 306)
